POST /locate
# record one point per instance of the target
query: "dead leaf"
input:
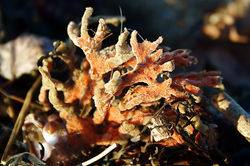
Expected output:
(20, 55)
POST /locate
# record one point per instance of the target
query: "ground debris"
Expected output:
(20, 56)
(24, 159)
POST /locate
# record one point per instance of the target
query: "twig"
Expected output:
(180, 130)
(6, 83)
(20, 100)
(98, 157)
(20, 119)
(233, 112)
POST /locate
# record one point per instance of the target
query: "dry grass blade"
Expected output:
(20, 119)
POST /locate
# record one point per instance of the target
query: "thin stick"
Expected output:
(20, 119)
(233, 112)
(98, 157)
(20, 100)
(6, 83)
